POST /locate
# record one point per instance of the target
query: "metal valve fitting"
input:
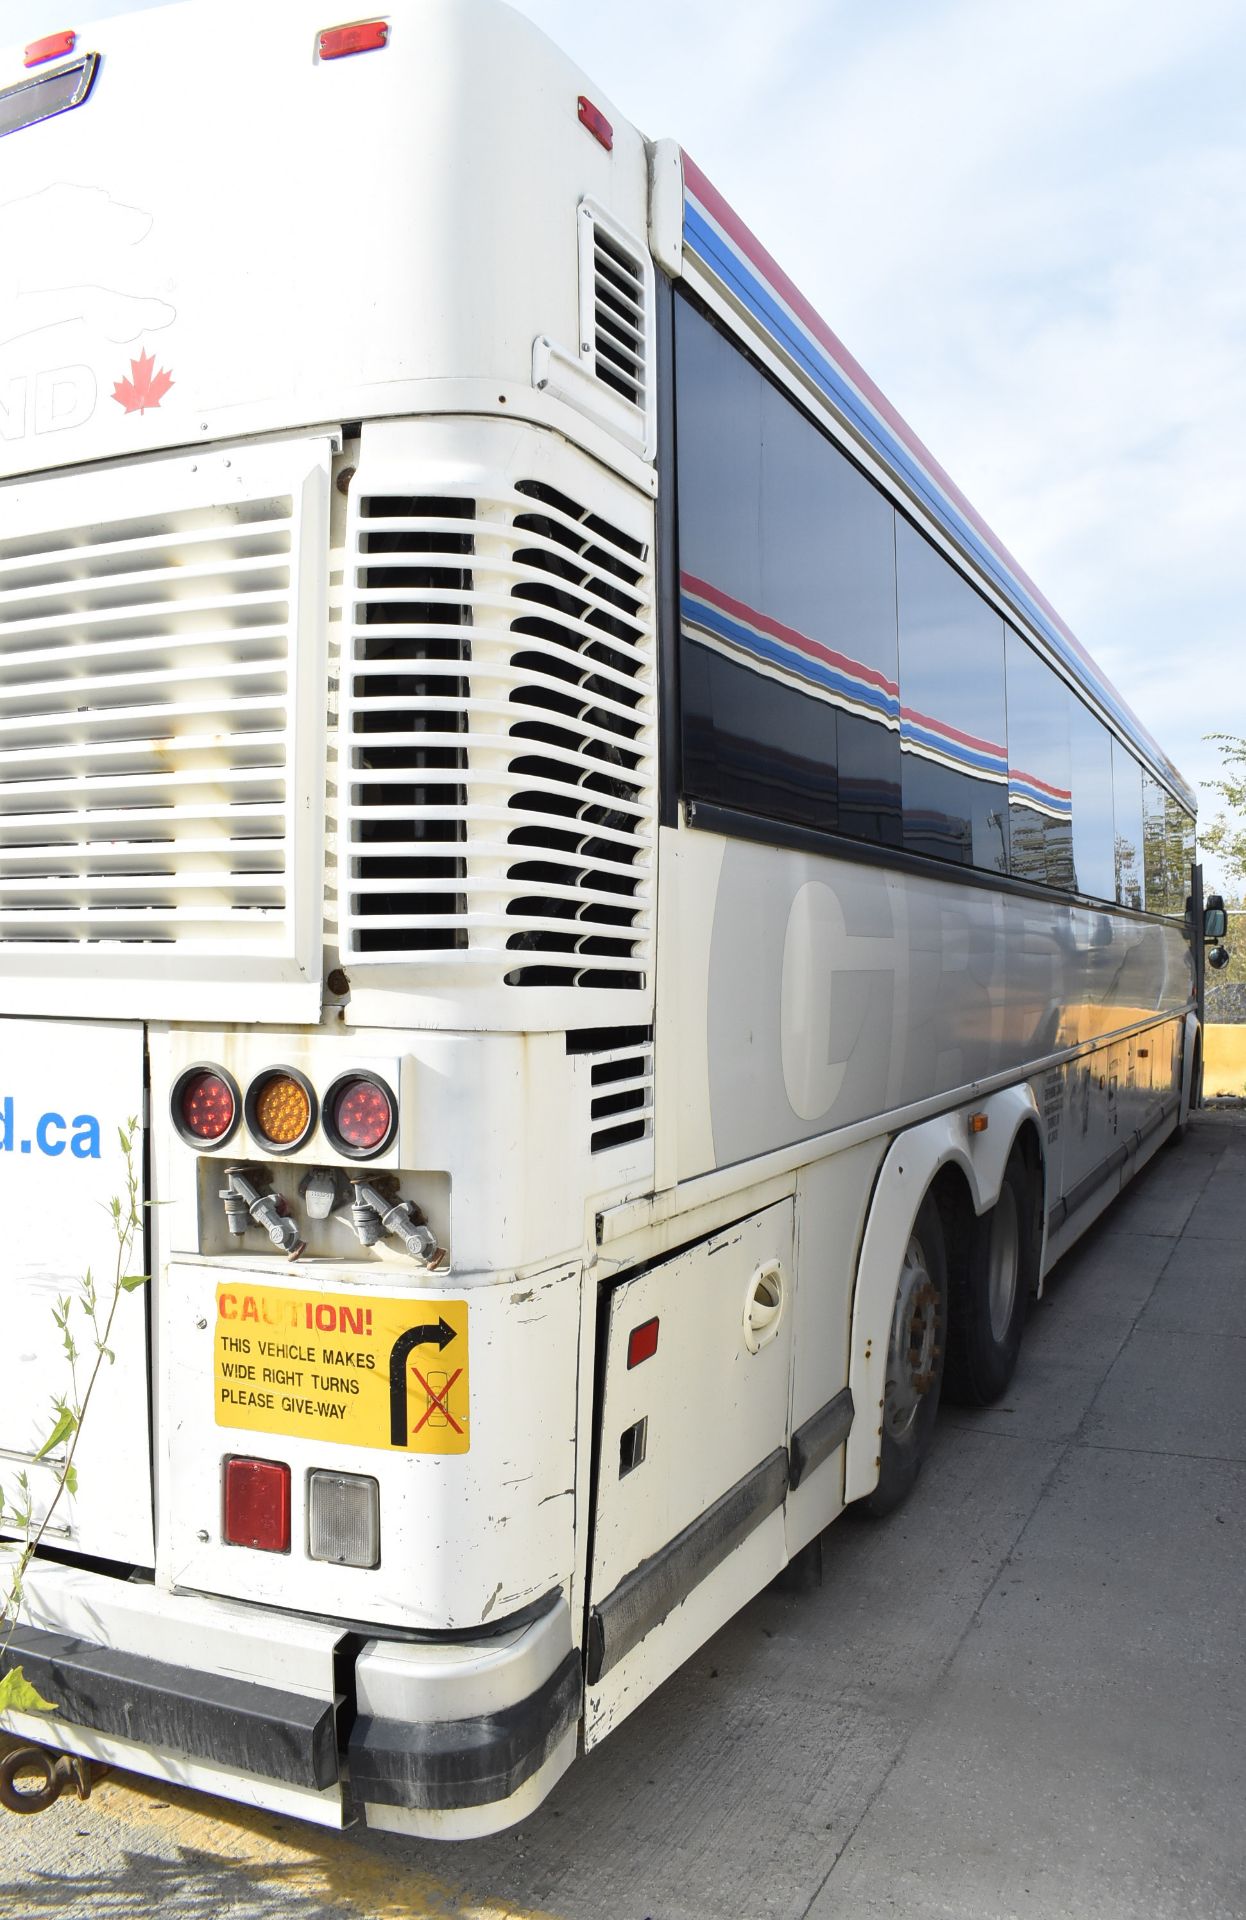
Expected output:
(244, 1200)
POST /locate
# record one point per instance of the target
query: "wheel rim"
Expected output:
(913, 1352)
(1004, 1262)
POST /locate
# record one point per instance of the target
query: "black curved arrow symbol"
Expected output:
(439, 1335)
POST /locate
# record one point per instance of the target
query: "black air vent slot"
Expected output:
(408, 704)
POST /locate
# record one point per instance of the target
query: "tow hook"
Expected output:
(376, 1209)
(32, 1779)
(244, 1200)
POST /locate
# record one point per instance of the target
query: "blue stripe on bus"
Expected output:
(703, 614)
(716, 252)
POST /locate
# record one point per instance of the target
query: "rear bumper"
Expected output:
(437, 1737)
(206, 1716)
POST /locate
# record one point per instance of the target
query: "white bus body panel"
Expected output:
(838, 994)
(66, 1090)
(440, 171)
(466, 1538)
(678, 1431)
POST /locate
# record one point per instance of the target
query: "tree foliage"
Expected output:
(1225, 836)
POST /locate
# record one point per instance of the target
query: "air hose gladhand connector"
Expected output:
(377, 1209)
(246, 1200)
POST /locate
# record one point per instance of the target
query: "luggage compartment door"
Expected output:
(692, 1465)
(66, 1090)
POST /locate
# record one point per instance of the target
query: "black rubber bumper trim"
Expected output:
(444, 1764)
(645, 1596)
(817, 1438)
(206, 1716)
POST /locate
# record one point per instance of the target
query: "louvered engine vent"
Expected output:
(620, 333)
(145, 731)
(622, 1082)
(497, 716)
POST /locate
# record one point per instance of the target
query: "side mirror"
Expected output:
(1215, 920)
(1218, 957)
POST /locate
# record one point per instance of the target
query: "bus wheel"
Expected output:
(990, 1290)
(915, 1351)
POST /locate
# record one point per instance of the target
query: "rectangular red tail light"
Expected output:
(257, 1505)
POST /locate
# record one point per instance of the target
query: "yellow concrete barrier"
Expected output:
(1224, 1058)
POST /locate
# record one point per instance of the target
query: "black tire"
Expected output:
(915, 1353)
(989, 1291)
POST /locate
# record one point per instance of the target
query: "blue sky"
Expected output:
(1029, 224)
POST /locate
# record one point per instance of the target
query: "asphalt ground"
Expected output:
(1023, 1695)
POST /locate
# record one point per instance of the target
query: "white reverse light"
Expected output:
(343, 1518)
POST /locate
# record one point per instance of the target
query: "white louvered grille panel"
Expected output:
(161, 632)
(498, 725)
(143, 727)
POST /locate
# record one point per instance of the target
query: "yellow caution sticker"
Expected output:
(331, 1366)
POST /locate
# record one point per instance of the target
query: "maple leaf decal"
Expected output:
(145, 388)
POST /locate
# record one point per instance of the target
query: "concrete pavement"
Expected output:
(1023, 1695)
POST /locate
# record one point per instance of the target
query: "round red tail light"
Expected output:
(359, 1115)
(205, 1106)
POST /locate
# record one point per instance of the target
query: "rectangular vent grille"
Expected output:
(620, 332)
(144, 729)
(622, 1083)
(497, 739)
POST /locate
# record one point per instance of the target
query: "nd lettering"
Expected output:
(51, 1134)
(62, 397)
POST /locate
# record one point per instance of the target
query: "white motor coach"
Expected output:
(634, 933)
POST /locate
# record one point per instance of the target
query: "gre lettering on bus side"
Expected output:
(50, 1134)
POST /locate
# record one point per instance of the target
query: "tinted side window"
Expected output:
(1094, 833)
(751, 742)
(1040, 795)
(718, 437)
(955, 763)
(1168, 850)
(1127, 808)
(829, 572)
(787, 604)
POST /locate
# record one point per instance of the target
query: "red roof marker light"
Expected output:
(363, 37)
(595, 120)
(54, 46)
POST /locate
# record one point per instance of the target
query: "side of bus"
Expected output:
(924, 1002)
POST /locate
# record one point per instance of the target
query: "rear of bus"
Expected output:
(327, 853)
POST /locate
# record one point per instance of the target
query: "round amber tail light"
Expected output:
(281, 1109)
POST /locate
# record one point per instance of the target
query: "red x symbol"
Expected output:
(437, 1398)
